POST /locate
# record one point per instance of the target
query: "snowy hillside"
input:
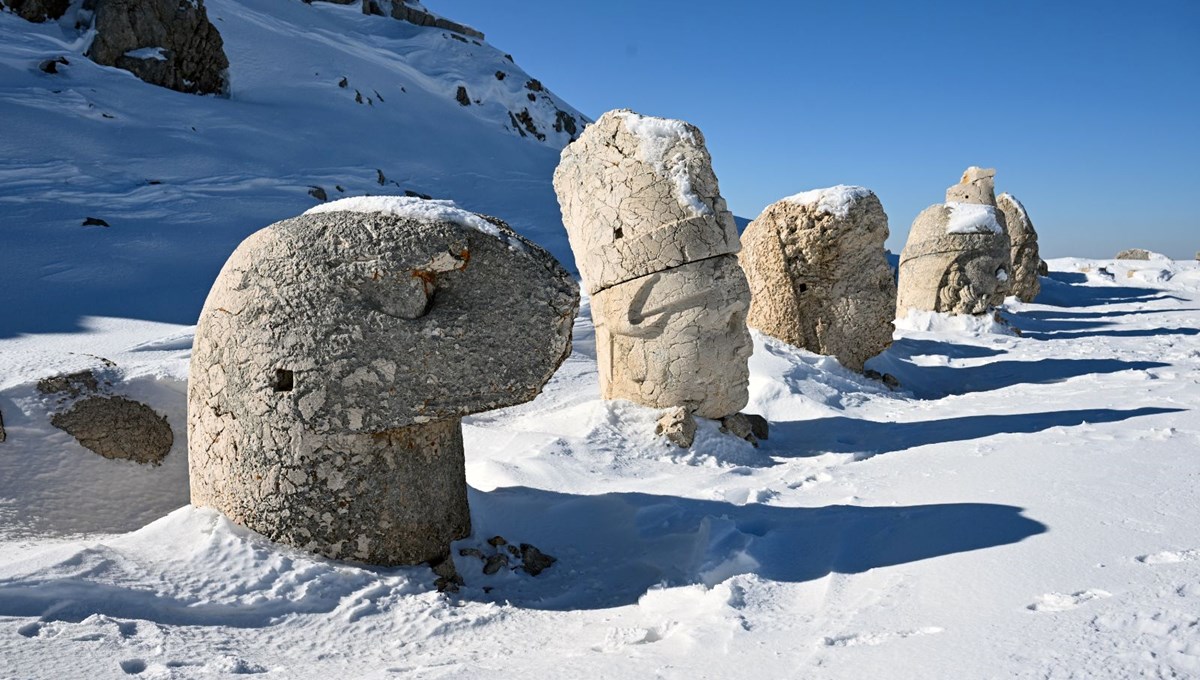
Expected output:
(321, 96)
(1023, 507)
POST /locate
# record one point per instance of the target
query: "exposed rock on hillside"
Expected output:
(170, 43)
(37, 10)
(414, 13)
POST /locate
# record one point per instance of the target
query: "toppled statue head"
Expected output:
(336, 355)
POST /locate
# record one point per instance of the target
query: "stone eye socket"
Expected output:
(283, 380)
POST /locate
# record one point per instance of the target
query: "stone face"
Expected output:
(1134, 254)
(1023, 279)
(819, 276)
(170, 43)
(118, 428)
(655, 246)
(958, 255)
(638, 195)
(334, 358)
(677, 338)
(37, 10)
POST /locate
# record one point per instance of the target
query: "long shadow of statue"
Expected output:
(612, 548)
(867, 438)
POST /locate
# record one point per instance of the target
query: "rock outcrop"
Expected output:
(1023, 280)
(336, 355)
(170, 43)
(819, 276)
(414, 13)
(37, 10)
(957, 257)
(655, 245)
(1134, 254)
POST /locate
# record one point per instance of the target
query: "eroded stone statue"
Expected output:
(335, 357)
(1023, 280)
(819, 275)
(655, 244)
(957, 258)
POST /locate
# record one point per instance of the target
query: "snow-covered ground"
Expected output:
(1023, 507)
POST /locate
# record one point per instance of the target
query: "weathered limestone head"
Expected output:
(978, 185)
(957, 257)
(335, 356)
(819, 275)
(638, 195)
(655, 245)
(1023, 280)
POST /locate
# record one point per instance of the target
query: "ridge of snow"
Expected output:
(422, 209)
(835, 200)
(972, 218)
(657, 137)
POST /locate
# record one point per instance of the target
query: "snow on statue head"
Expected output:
(656, 248)
(957, 257)
(335, 357)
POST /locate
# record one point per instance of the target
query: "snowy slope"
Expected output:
(1024, 507)
(182, 179)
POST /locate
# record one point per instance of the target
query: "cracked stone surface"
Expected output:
(1023, 279)
(638, 195)
(333, 360)
(677, 338)
(655, 245)
(191, 57)
(118, 428)
(955, 273)
(819, 277)
(678, 426)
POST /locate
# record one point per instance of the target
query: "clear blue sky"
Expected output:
(1089, 111)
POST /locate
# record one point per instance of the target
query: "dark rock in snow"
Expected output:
(413, 13)
(318, 193)
(94, 222)
(462, 96)
(37, 10)
(497, 541)
(163, 42)
(3, 435)
(759, 427)
(51, 65)
(70, 384)
(495, 563)
(534, 561)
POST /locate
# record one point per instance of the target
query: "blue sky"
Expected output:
(1088, 111)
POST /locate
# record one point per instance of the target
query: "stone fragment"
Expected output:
(497, 541)
(336, 355)
(759, 427)
(318, 193)
(957, 257)
(1023, 279)
(164, 42)
(3, 434)
(655, 244)
(819, 276)
(1134, 254)
(739, 426)
(471, 552)
(448, 579)
(534, 561)
(70, 384)
(495, 563)
(678, 426)
(94, 222)
(118, 428)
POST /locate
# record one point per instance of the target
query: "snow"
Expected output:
(657, 136)
(1022, 506)
(154, 53)
(972, 218)
(835, 200)
(420, 209)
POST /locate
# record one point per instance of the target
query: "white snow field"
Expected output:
(1023, 507)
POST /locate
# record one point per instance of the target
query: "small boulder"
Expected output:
(118, 428)
(534, 561)
(739, 425)
(3, 434)
(94, 222)
(462, 97)
(70, 384)
(759, 427)
(678, 426)
(495, 563)
(318, 193)
(1134, 254)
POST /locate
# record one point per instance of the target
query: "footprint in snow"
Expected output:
(1061, 602)
(873, 639)
(1169, 557)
